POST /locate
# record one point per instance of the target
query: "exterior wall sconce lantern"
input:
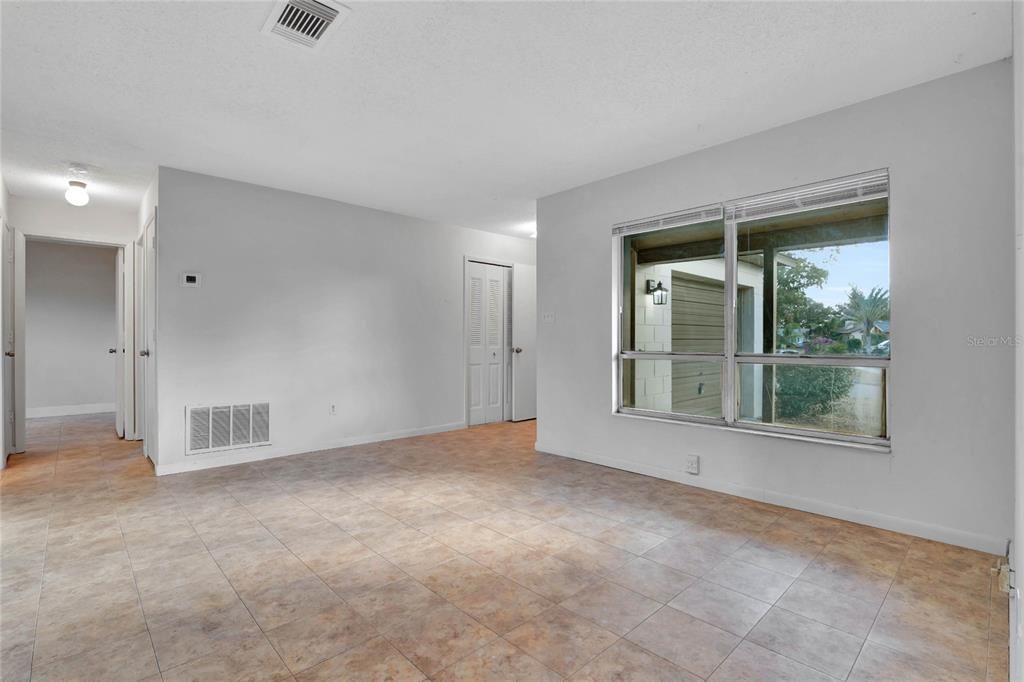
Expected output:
(659, 292)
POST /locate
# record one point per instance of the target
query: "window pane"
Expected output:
(815, 282)
(674, 290)
(848, 400)
(677, 386)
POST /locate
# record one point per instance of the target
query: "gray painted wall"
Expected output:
(305, 303)
(948, 145)
(70, 322)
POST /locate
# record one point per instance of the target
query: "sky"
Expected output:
(862, 265)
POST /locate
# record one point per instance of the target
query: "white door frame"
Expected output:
(524, 338)
(144, 332)
(125, 314)
(118, 347)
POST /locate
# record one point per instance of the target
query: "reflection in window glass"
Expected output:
(689, 263)
(815, 282)
(676, 386)
(849, 400)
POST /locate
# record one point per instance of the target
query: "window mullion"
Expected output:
(729, 370)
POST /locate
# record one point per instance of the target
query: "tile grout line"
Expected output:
(46, 552)
(138, 594)
(745, 637)
(878, 612)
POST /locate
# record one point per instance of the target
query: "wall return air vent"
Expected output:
(226, 427)
(305, 22)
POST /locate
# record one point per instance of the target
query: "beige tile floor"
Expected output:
(459, 556)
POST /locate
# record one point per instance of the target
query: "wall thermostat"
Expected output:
(190, 279)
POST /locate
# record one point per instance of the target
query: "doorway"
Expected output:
(72, 330)
(67, 314)
(500, 332)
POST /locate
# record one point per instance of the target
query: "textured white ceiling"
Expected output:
(457, 112)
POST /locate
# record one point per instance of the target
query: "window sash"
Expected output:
(851, 189)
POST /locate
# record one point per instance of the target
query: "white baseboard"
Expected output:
(256, 454)
(68, 410)
(952, 536)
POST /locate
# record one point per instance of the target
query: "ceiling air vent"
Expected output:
(304, 22)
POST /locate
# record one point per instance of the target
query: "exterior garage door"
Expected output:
(698, 325)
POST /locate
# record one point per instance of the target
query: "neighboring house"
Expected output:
(880, 328)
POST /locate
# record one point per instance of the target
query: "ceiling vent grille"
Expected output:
(226, 427)
(304, 22)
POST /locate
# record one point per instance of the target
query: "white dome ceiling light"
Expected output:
(77, 194)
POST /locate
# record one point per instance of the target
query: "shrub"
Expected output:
(806, 391)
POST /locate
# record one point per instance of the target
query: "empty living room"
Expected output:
(512, 340)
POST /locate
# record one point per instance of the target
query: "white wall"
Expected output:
(948, 145)
(70, 322)
(307, 302)
(57, 218)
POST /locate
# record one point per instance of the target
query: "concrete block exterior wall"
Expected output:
(653, 333)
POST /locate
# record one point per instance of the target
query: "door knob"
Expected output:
(111, 350)
(144, 353)
(517, 349)
(9, 353)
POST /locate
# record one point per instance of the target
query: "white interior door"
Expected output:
(487, 347)
(13, 291)
(524, 342)
(19, 342)
(139, 338)
(148, 349)
(117, 350)
(127, 357)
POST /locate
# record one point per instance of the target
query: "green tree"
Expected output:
(802, 392)
(795, 310)
(862, 311)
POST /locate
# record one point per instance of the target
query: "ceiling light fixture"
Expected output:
(76, 194)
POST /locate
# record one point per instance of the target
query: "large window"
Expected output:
(768, 313)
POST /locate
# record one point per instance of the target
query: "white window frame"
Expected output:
(841, 191)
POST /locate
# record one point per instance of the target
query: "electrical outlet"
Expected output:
(334, 409)
(693, 464)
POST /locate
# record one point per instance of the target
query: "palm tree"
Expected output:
(862, 311)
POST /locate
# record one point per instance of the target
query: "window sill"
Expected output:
(880, 446)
